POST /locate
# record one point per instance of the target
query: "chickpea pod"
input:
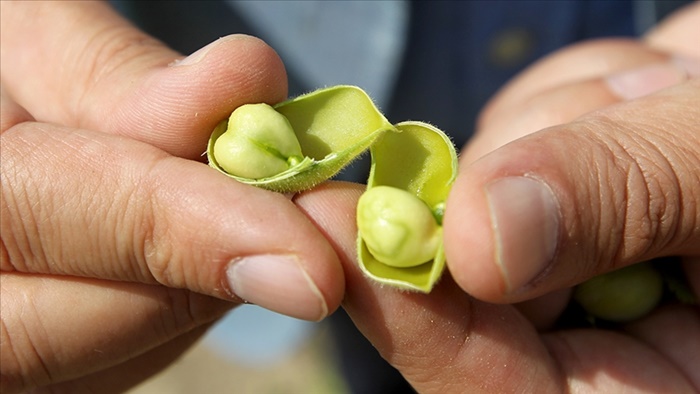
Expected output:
(331, 127)
(421, 162)
(299, 143)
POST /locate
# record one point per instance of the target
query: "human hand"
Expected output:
(624, 171)
(119, 248)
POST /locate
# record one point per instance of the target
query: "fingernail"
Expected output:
(646, 80)
(277, 283)
(525, 220)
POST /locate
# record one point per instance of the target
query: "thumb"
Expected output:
(81, 65)
(559, 206)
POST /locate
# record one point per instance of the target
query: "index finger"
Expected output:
(80, 64)
(90, 204)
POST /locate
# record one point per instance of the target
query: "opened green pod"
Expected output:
(414, 161)
(333, 126)
(421, 160)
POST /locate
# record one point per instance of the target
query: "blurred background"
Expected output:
(255, 351)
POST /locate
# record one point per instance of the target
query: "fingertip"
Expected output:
(278, 283)
(639, 82)
(525, 219)
(502, 223)
(323, 273)
(177, 104)
(469, 240)
(237, 59)
(250, 244)
(260, 71)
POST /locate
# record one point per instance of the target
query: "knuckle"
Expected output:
(146, 246)
(647, 181)
(161, 249)
(20, 243)
(156, 250)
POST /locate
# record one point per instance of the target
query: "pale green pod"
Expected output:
(333, 126)
(398, 228)
(421, 160)
(622, 295)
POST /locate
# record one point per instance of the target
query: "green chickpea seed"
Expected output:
(398, 228)
(622, 295)
(259, 143)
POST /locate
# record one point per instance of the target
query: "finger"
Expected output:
(91, 204)
(122, 81)
(610, 362)
(121, 378)
(571, 65)
(433, 339)
(448, 342)
(571, 83)
(678, 33)
(566, 103)
(544, 311)
(662, 329)
(559, 206)
(56, 329)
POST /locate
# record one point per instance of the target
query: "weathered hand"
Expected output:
(587, 162)
(119, 247)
